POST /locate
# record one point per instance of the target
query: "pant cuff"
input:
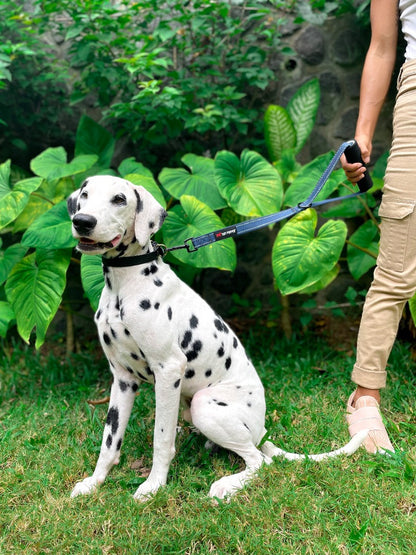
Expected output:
(369, 378)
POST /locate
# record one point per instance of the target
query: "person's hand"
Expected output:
(354, 172)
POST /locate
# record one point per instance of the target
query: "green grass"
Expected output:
(50, 437)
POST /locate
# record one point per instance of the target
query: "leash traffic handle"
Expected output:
(352, 153)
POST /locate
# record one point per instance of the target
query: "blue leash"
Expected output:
(352, 153)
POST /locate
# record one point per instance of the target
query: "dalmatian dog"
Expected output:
(154, 328)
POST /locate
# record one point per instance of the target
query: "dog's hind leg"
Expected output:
(121, 403)
(234, 420)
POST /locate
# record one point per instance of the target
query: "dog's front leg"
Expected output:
(167, 392)
(121, 402)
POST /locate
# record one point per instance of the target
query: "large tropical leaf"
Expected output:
(34, 289)
(299, 258)
(52, 230)
(279, 131)
(308, 177)
(92, 138)
(13, 200)
(366, 237)
(251, 186)
(149, 184)
(191, 219)
(302, 109)
(52, 163)
(9, 258)
(92, 278)
(48, 194)
(198, 182)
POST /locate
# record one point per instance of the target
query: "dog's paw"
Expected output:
(145, 491)
(225, 487)
(85, 487)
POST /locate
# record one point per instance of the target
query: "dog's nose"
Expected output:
(84, 224)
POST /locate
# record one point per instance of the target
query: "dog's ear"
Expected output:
(149, 215)
(72, 202)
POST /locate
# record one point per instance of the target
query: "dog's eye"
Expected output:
(119, 200)
(83, 195)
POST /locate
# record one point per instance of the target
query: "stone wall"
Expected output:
(334, 53)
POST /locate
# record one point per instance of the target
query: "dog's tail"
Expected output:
(271, 450)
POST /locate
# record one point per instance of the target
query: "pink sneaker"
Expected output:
(366, 414)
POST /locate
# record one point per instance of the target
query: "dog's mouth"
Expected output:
(86, 244)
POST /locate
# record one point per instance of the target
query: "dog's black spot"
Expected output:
(249, 404)
(139, 202)
(149, 371)
(221, 351)
(112, 419)
(109, 441)
(142, 377)
(222, 404)
(123, 385)
(105, 270)
(228, 363)
(238, 386)
(126, 331)
(145, 304)
(134, 387)
(152, 269)
(157, 305)
(208, 373)
(196, 348)
(187, 338)
(235, 343)
(189, 373)
(97, 315)
(218, 324)
(135, 356)
(122, 314)
(119, 442)
(158, 283)
(107, 339)
(193, 322)
(141, 353)
(108, 282)
(113, 333)
(151, 225)
(129, 369)
(117, 305)
(176, 384)
(169, 313)
(121, 249)
(245, 425)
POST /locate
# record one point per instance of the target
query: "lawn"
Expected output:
(50, 436)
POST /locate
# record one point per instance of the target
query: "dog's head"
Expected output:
(108, 211)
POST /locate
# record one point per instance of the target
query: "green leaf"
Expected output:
(251, 185)
(323, 282)
(6, 317)
(412, 307)
(52, 230)
(279, 131)
(308, 177)
(349, 208)
(366, 237)
(130, 165)
(13, 201)
(92, 278)
(302, 109)
(34, 290)
(198, 182)
(48, 194)
(9, 258)
(52, 164)
(191, 219)
(92, 138)
(300, 259)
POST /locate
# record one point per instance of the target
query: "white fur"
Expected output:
(153, 327)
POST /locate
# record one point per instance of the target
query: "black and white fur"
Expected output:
(154, 328)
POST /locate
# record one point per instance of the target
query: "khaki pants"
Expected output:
(395, 275)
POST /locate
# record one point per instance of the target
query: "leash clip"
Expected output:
(189, 245)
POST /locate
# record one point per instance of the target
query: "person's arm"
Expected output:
(375, 80)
